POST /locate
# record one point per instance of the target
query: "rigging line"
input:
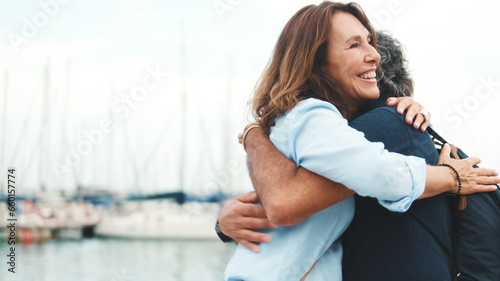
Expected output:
(45, 136)
(206, 142)
(38, 143)
(226, 134)
(157, 143)
(64, 122)
(131, 155)
(61, 107)
(28, 163)
(184, 95)
(110, 138)
(3, 149)
(23, 131)
(206, 148)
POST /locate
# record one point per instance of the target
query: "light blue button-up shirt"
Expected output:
(316, 136)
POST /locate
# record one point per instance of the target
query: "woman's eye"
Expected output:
(354, 45)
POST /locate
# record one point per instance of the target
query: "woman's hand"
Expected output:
(413, 115)
(473, 180)
(240, 216)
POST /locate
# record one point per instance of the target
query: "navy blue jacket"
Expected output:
(384, 246)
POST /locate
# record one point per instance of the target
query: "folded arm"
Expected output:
(288, 193)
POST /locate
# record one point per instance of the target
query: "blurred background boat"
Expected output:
(155, 216)
(162, 220)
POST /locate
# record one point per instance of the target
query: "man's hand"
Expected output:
(472, 179)
(240, 216)
(413, 108)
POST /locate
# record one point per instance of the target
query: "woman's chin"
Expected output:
(372, 96)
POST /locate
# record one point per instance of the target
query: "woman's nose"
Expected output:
(372, 56)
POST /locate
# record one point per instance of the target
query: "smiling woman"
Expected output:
(321, 74)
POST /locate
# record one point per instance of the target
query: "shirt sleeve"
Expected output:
(322, 142)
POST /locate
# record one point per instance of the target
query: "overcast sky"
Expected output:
(213, 51)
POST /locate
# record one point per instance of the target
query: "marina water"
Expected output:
(102, 259)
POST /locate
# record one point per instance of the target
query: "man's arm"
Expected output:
(289, 194)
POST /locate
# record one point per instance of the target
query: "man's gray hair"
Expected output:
(393, 77)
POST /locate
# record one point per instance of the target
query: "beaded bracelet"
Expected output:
(458, 179)
(242, 136)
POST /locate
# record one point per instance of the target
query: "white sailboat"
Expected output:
(162, 220)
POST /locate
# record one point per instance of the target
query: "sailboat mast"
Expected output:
(110, 138)
(183, 102)
(4, 126)
(44, 132)
(227, 130)
(65, 120)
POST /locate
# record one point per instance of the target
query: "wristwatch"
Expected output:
(222, 236)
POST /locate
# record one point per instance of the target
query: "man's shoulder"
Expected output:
(385, 124)
(386, 113)
(382, 123)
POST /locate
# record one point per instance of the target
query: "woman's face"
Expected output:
(352, 60)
